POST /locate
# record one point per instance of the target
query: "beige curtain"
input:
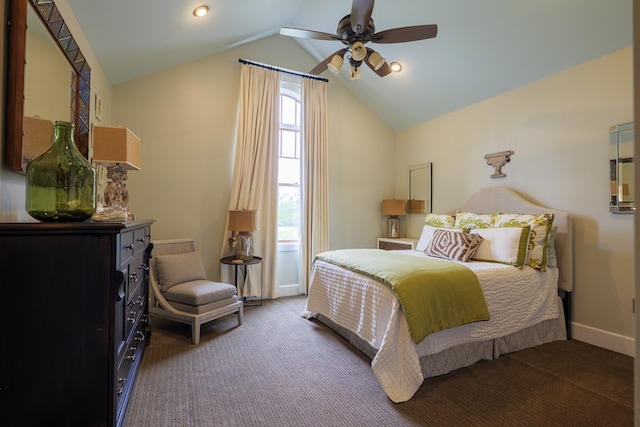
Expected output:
(255, 174)
(315, 171)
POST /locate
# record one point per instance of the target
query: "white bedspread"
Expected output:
(516, 300)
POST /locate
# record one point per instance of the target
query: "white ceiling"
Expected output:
(483, 47)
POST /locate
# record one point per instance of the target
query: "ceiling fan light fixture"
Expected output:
(396, 67)
(358, 51)
(200, 10)
(376, 60)
(335, 64)
(354, 73)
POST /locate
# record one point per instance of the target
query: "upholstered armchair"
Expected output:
(180, 290)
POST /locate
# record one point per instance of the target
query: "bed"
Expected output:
(527, 306)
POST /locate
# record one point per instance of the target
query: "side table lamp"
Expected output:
(242, 224)
(416, 206)
(118, 149)
(393, 208)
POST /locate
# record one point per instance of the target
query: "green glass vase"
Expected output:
(61, 183)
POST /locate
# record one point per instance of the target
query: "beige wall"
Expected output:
(185, 117)
(558, 128)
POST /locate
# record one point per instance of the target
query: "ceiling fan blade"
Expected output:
(383, 70)
(322, 67)
(361, 11)
(406, 34)
(307, 34)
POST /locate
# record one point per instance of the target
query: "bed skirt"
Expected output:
(467, 354)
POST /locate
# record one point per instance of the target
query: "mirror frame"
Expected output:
(15, 83)
(615, 204)
(429, 189)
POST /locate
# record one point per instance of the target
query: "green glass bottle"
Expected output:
(61, 183)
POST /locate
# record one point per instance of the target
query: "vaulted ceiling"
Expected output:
(483, 47)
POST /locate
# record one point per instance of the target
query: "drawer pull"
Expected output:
(132, 317)
(132, 357)
(139, 336)
(133, 276)
(121, 382)
(144, 267)
(129, 246)
(139, 302)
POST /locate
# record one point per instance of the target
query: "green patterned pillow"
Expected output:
(440, 220)
(540, 225)
(470, 220)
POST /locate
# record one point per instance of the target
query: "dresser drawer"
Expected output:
(136, 273)
(125, 247)
(134, 309)
(141, 238)
(125, 376)
(132, 242)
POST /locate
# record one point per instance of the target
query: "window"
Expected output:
(289, 164)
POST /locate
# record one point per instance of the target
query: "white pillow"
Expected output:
(427, 235)
(506, 245)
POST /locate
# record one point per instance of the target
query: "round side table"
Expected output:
(231, 260)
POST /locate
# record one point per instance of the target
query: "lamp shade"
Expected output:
(376, 60)
(335, 64)
(243, 220)
(38, 136)
(416, 206)
(116, 145)
(393, 207)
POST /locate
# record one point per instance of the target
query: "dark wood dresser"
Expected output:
(74, 321)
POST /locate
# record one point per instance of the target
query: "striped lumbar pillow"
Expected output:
(453, 245)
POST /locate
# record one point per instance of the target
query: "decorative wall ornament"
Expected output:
(497, 160)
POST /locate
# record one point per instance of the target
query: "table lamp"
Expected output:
(243, 223)
(393, 208)
(416, 206)
(118, 149)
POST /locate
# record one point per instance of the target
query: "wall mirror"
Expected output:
(621, 168)
(419, 200)
(34, 89)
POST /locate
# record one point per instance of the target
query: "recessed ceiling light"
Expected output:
(396, 67)
(201, 10)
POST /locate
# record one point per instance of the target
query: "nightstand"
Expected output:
(388, 243)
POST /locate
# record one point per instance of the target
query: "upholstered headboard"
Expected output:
(500, 199)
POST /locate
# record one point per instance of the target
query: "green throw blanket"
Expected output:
(434, 294)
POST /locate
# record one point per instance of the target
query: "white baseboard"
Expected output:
(604, 339)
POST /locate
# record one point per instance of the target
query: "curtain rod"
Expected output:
(282, 70)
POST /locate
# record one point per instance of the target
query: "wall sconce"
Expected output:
(393, 208)
(497, 160)
(118, 149)
(243, 223)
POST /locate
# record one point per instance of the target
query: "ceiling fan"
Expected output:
(355, 30)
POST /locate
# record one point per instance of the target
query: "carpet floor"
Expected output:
(279, 369)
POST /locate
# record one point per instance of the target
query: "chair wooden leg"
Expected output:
(195, 332)
(240, 316)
